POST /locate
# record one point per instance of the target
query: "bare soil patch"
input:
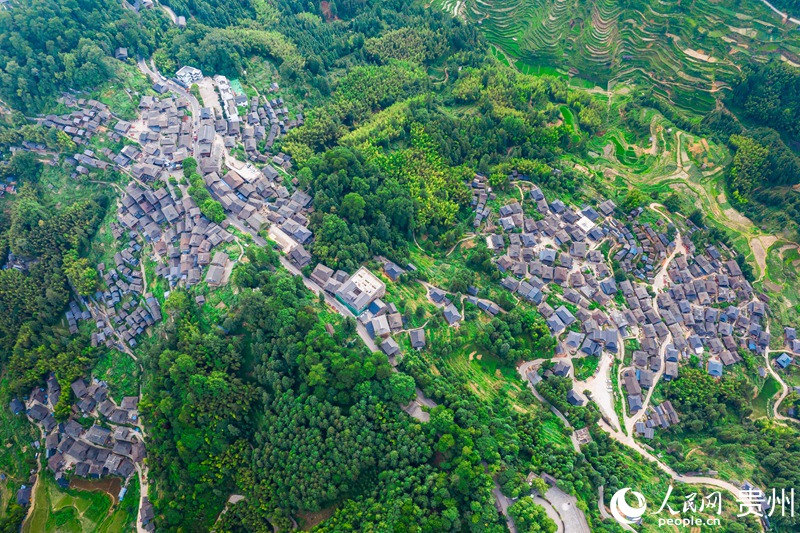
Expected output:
(309, 520)
(109, 485)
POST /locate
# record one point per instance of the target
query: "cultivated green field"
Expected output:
(76, 511)
(690, 49)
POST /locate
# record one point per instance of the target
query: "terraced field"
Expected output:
(689, 49)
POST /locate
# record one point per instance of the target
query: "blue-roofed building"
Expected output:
(590, 213)
(16, 406)
(715, 368)
(555, 324)
(547, 256)
(565, 315)
(24, 495)
(376, 307)
(561, 369)
(451, 314)
(608, 286)
(634, 403)
(557, 206)
(574, 398)
(783, 360)
(393, 271)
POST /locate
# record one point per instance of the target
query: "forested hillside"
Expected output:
(31, 301)
(50, 46)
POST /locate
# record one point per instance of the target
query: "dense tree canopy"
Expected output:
(769, 94)
(49, 46)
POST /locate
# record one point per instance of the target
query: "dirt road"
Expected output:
(693, 480)
(783, 15)
(659, 284)
(784, 390)
(598, 386)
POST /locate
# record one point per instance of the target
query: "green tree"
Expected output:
(635, 198)
(80, 273)
(530, 517)
(401, 388)
(539, 485)
(353, 207)
(213, 210)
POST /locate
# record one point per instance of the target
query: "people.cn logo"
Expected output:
(624, 513)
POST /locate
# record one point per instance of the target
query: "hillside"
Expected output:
(691, 50)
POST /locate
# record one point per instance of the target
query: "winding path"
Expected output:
(783, 15)
(469, 237)
(693, 480)
(170, 13)
(659, 283)
(503, 503)
(36, 484)
(784, 391)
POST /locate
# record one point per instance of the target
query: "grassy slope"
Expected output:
(16, 452)
(78, 510)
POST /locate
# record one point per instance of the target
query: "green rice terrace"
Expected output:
(691, 50)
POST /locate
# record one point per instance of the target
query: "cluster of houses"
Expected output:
(182, 242)
(481, 193)
(658, 416)
(182, 239)
(127, 322)
(266, 122)
(259, 198)
(165, 136)
(708, 311)
(361, 293)
(109, 447)
(441, 299)
(9, 185)
(554, 261)
(791, 341)
(356, 292)
(82, 123)
(262, 122)
(641, 249)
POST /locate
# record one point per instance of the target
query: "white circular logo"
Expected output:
(624, 513)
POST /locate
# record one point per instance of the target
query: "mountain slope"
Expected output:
(692, 50)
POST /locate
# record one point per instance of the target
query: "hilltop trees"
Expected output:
(770, 95)
(81, 274)
(53, 240)
(51, 46)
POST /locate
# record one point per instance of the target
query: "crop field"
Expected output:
(783, 266)
(78, 510)
(688, 49)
